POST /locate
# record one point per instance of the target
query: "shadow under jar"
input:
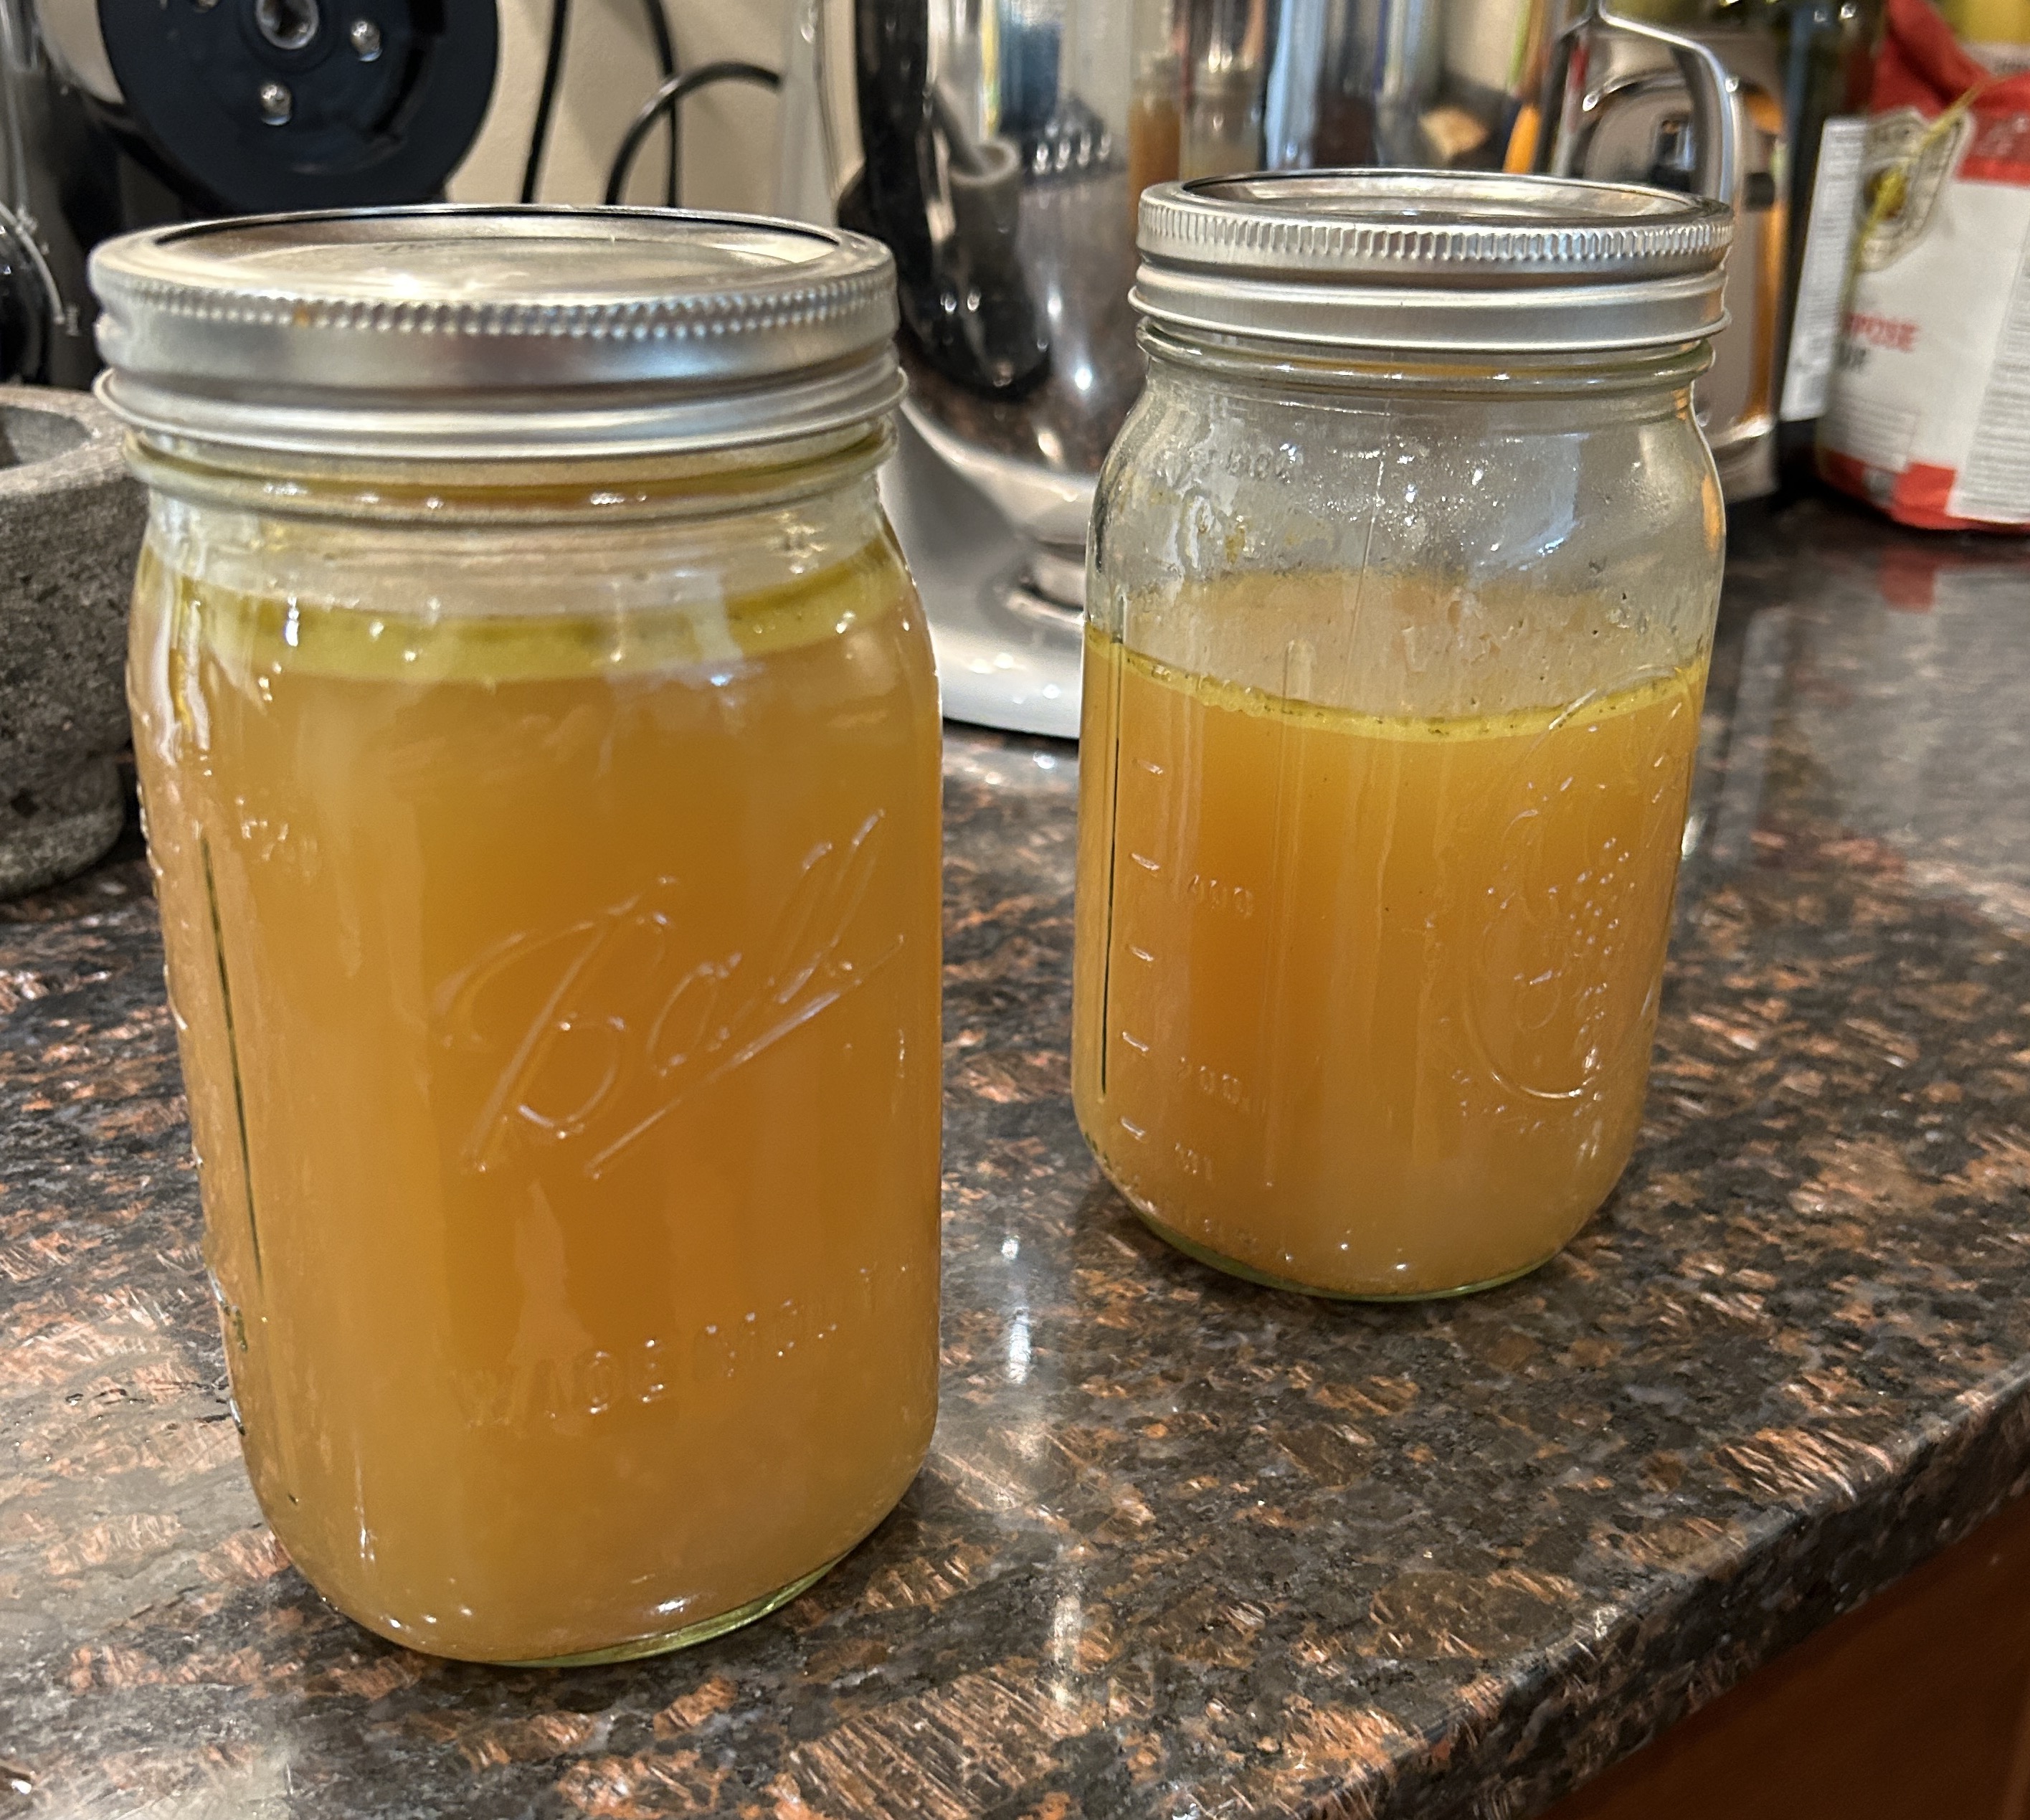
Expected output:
(538, 740)
(1403, 583)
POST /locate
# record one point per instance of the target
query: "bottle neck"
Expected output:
(628, 489)
(1385, 375)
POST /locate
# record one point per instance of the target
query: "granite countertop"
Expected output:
(1183, 1547)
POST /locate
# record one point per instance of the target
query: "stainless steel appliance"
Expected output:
(1006, 142)
(1005, 145)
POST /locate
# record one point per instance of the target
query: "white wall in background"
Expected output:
(610, 69)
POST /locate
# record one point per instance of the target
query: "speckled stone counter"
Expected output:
(1183, 1547)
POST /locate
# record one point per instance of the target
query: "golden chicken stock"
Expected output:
(558, 996)
(1365, 999)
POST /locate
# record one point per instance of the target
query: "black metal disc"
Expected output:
(381, 98)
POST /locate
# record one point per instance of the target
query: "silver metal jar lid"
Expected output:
(1432, 261)
(495, 333)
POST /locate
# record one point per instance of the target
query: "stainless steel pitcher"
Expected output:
(1631, 103)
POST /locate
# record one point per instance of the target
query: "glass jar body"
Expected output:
(549, 876)
(1392, 691)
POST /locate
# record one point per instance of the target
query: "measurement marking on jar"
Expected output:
(1112, 788)
(1134, 1130)
(1220, 893)
(1134, 1042)
(1214, 1083)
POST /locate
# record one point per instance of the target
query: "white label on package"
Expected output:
(1996, 483)
(1822, 279)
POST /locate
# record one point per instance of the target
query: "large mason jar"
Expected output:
(1403, 581)
(538, 743)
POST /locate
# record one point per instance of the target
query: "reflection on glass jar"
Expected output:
(548, 850)
(1393, 670)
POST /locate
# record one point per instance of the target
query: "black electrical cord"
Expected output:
(670, 95)
(666, 59)
(546, 98)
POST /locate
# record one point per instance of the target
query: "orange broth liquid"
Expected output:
(1365, 1003)
(558, 998)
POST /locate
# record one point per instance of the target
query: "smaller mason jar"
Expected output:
(1402, 581)
(538, 741)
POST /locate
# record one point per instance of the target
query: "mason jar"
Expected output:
(1402, 581)
(538, 743)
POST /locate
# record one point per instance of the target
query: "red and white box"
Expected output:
(1928, 412)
